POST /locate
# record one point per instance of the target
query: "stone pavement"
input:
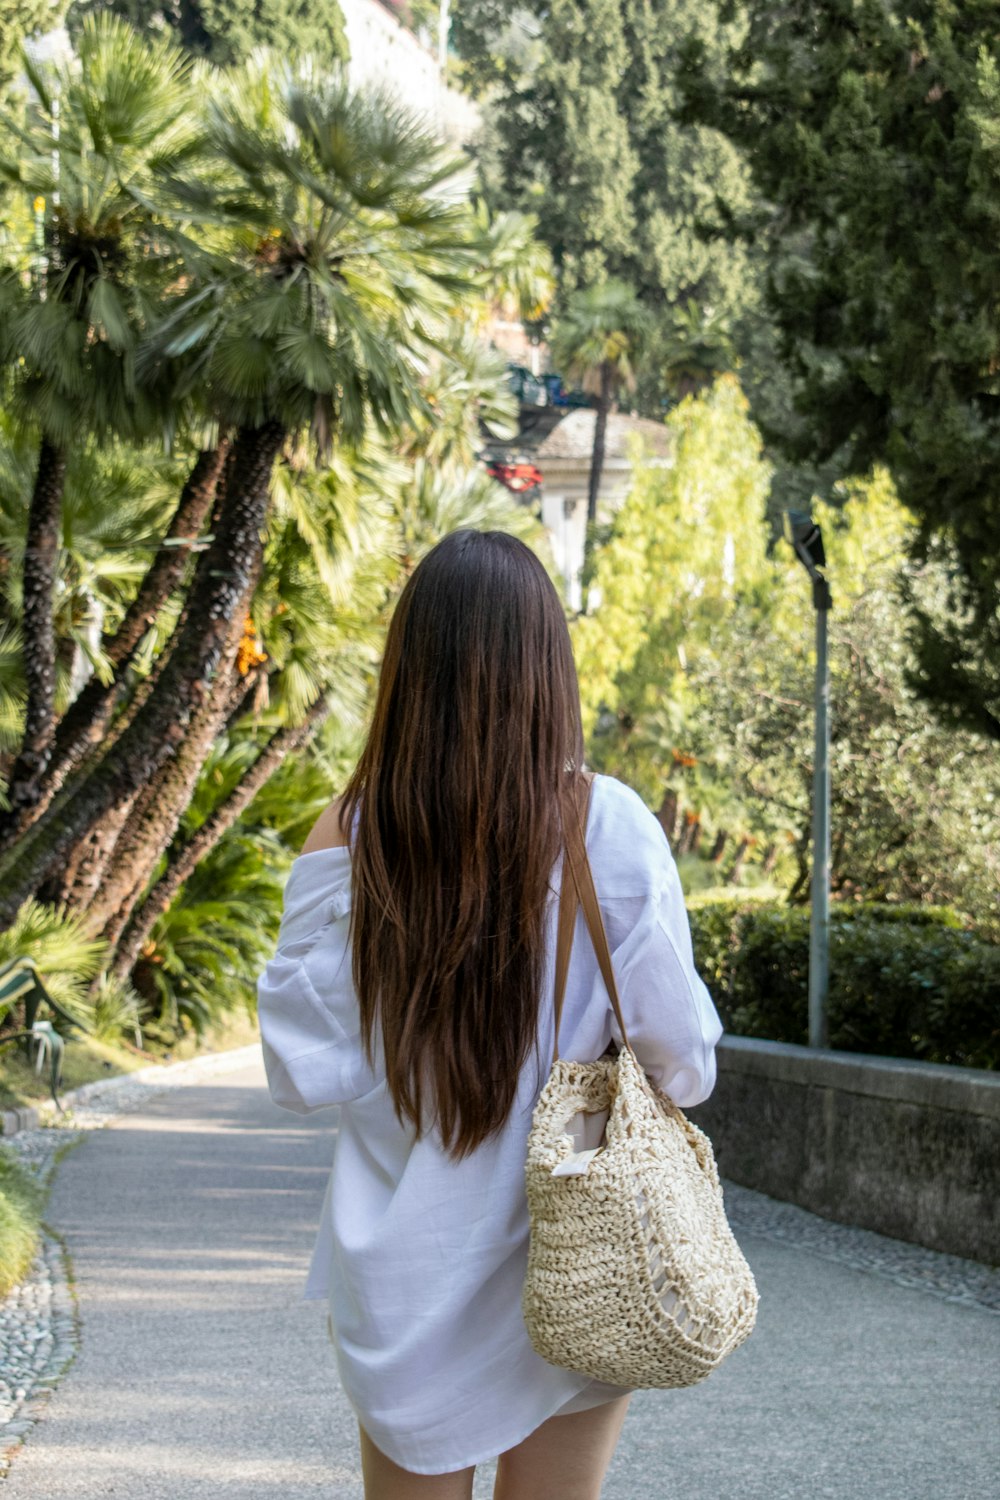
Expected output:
(872, 1374)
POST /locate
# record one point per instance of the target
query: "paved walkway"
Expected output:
(201, 1374)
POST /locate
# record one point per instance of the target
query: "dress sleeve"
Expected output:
(672, 1023)
(310, 1025)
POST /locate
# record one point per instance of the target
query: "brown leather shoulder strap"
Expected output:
(578, 890)
(569, 904)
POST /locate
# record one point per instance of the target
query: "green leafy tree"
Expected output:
(688, 545)
(914, 804)
(227, 31)
(498, 43)
(872, 131)
(581, 99)
(20, 21)
(696, 674)
(568, 153)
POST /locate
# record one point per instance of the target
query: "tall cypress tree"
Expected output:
(226, 31)
(690, 180)
(582, 96)
(565, 142)
(872, 128)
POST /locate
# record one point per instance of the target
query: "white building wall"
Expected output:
(565, 519)
(385, 54)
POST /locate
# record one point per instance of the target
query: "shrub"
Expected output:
(20, 1206)
(57, 942)
(904, 982)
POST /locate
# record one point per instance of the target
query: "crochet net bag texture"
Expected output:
(634, 1276)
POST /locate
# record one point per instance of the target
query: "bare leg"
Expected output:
(565, 1458)
(385, 1480)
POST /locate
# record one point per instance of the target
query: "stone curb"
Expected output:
(23, 1117)
(158, 1075)
(974, 1091)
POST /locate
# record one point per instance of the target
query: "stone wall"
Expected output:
(905, 1148)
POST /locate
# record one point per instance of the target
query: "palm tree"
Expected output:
(464, 390)
(598, 341)
(334, 236)
(695, 349)
(82, 728)
(343, 236)
(309, 644)
(522, 280)
(189, 853)
(89, 151)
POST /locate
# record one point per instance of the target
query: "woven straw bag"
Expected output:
(634, 1276)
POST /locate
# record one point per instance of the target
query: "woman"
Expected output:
(412, 985)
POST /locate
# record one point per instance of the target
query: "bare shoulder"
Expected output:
(327, 832)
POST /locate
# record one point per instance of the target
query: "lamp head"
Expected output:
(807, 539)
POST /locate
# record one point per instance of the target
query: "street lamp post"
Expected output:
(807, 539)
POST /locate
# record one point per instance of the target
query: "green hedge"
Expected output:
(904, 981)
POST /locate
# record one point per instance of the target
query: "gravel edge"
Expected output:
(48, 1287)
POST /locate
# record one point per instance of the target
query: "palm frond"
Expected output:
(602, 325)
(57, 943)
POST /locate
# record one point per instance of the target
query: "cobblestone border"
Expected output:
(950, 1277)
(39, 1337)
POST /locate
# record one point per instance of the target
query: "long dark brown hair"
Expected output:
(474, 748)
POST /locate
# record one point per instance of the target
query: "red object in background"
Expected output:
(516, 477)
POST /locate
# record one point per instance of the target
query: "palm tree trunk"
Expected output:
(189, 855)
(133, 854)
(719, 846)
(155, 818)
(87, 717)
(600, 434)
(156, 733)
(668, 813)
(41, 557)
(80, 870)
(119, 873)
(689, 834)
(82, 728)
(736, 868)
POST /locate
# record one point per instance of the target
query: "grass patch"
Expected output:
(86, 1059)
(20, 1221)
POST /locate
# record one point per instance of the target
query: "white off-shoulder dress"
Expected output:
(422, 1258)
